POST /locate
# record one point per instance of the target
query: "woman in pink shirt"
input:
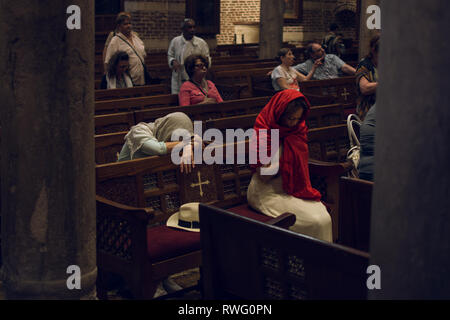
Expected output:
(197, 90)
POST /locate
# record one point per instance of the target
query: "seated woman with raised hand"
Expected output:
(197, 90)
(286, 77)
(118, 75)
(284, 185)
(154, 138)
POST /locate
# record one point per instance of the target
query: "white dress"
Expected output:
(266, 195)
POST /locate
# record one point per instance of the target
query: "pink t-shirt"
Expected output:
(191, 94)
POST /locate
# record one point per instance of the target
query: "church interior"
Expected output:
(86, 213)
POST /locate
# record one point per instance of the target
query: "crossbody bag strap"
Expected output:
(201, 89)
(131, 48)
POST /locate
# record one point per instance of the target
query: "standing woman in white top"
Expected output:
(128, 41)
(286, 77)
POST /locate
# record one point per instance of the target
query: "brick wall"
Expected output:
(156, 21)
(232, 11)
(317, 15)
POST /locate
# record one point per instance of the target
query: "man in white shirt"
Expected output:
(180, 48)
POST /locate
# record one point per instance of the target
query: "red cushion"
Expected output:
(164, 242)
(246, 211)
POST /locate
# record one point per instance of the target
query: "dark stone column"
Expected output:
(47, 151)
(366, 34)
(271, 28)
(410, 227)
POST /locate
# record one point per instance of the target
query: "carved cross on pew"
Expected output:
(200, 183)
(345, 94)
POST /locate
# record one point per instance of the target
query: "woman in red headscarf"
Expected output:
(283, 185)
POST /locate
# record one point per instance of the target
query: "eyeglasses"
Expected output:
(200, 65)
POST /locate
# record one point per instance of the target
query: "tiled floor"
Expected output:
(184, 279)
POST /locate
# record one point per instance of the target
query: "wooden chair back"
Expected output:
(266, 262)
(355, 203)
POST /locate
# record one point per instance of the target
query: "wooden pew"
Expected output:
(108, 146)
(329, 143)
(141, 91)
(242, 78)
(319, 117)
(342, 90)
(134, 197)
(121, 121)
(325, 145)
(266, 262)
(115, 122)
(206, 111)
(131, 104)
(354, 212)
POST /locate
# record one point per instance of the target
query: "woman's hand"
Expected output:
(187, 159)
(208, 100)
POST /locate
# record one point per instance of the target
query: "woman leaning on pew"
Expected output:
(197, 90)
(154, 139)
(283, 185)
(285, 76)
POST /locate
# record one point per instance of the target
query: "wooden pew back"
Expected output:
(266, 262)
(241, 77)
(329, 143)
(108, 146)
(141, 91)
(355, 203)
(343, 90)
(206, 111)
(156, 182)
(131, 104)
(115, 122)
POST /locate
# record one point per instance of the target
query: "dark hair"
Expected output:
(121, 17)
(282, 53)
(309, 49)
(185, 22)
(334, 27)
(292, 107)
(374, 45)
(189, 63)
(114, 61)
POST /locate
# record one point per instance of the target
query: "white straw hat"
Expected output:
(187, 218)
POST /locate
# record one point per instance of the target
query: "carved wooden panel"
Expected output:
(199, 185)
(114, 237)
(122, 190)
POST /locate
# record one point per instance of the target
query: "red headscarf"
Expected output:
(294, 160)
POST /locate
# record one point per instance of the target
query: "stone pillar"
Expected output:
(47, 149)
(365, 34)
(271, 28)
(410, 226)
